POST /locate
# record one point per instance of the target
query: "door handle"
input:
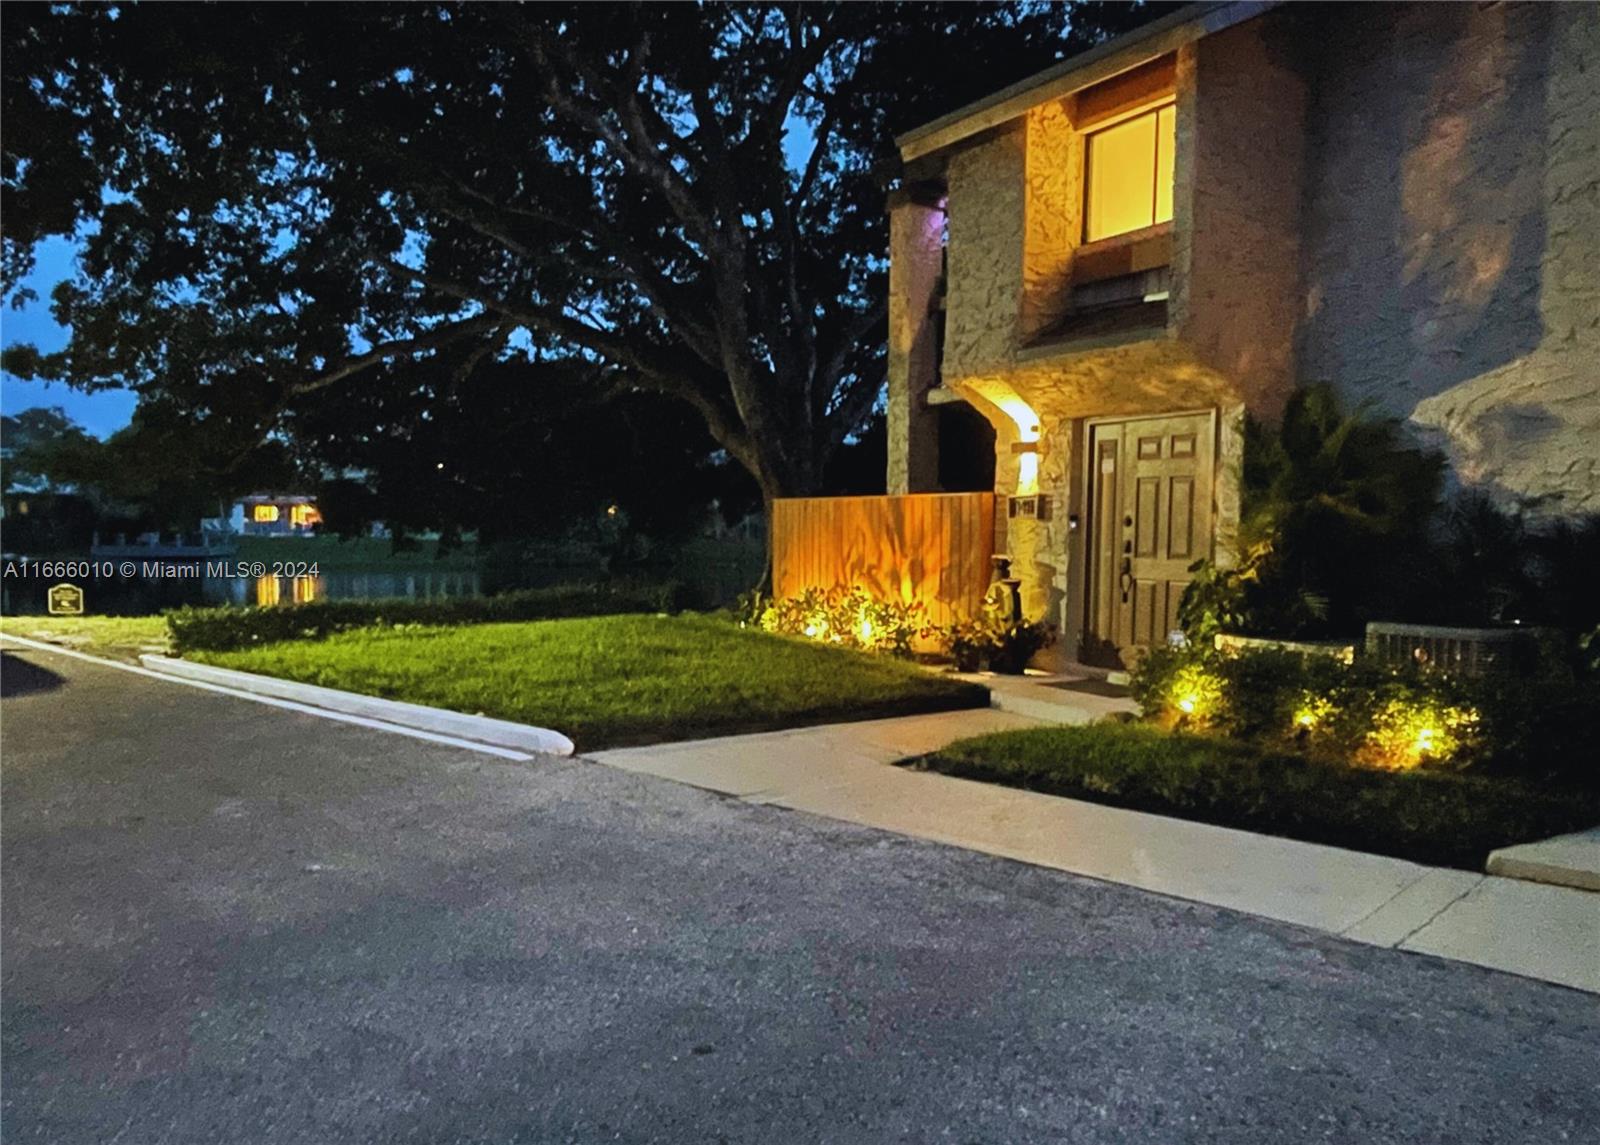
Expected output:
(1127, 578)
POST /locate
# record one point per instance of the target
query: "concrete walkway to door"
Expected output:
(842, 771)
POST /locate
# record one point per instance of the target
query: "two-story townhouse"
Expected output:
(1114, 260)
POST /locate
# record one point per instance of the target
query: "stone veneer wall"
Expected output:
(1452, 249)
(992, 227)
(986, 181)
(1053, 216)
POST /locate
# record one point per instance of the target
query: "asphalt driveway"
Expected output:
(228, 922)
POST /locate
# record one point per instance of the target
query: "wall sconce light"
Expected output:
(1024, 447)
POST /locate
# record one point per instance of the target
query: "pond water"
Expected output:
(139, 596)
(712, 571)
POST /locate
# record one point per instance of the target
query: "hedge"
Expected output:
(228, 629)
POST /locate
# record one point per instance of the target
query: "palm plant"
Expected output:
(1335, 514)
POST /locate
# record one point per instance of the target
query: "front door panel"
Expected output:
(1151, 500)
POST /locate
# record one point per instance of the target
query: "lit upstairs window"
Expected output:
(262, 514)
(304, 515)
(1129, 183)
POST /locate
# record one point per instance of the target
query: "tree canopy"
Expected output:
(286, 210)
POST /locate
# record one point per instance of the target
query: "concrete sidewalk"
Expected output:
(842, 771)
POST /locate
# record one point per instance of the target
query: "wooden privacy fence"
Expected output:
(932, 547)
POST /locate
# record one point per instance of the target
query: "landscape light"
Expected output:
(1312, 710)
(1196, 693)
(1409, 733)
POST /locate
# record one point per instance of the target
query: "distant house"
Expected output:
(271, 515)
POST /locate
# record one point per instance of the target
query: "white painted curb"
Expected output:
(481, 729)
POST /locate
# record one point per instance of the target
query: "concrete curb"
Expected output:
(480, 729)
(1565, 861)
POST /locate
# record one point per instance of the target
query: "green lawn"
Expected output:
(116, 637)
(1430, 816)
(613, 680)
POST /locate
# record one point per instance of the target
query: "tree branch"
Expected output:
(381, 352)
(729, 432)
(662, 296)
(850, 338)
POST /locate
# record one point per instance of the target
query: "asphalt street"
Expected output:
(227, 922)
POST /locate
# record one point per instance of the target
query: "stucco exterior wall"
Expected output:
(916, 256)
(1452, 238)
(1237, 187)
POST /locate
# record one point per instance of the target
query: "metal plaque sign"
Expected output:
(65, 600)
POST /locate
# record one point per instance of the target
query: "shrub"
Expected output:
(1151, 679)
(228, 629)
(1196, 692)
(1411, 731)
(1335, 509)
(849, 617)
(1541, 727)
(969, 643)
(991, 641)
(1537, 727)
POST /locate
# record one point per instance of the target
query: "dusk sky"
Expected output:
(108, 411)
(102, 413)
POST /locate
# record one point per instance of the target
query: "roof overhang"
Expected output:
(1101, 62)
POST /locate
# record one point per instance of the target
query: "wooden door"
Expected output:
(1150, 506)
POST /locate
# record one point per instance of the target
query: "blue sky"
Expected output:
(101, 413)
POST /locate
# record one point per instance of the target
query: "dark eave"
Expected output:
(1101, 62)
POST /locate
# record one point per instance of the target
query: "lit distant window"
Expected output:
(1129, 184)
(304, 515)
(265, 513)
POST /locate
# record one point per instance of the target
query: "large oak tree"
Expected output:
(283, 209)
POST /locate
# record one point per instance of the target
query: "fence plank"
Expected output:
(932, 547)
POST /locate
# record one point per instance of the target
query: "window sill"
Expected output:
(1146, 249)
(1103, 330)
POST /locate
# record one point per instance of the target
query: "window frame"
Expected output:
(1152, 107)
